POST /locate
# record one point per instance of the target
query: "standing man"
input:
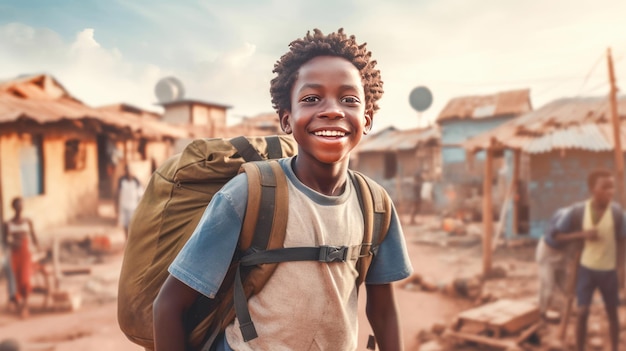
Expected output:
(417, 195)
(597, 222)
(129, 192)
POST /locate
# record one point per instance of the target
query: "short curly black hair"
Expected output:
(317, 44)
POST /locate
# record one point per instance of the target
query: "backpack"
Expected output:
(174, 201)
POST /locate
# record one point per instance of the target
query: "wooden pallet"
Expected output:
(500, 324)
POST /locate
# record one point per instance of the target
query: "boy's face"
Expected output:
(603, 190)
(327, 117)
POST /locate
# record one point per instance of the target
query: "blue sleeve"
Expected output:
(392, 262)
(556, 226)
(565, 223)
(204, 260)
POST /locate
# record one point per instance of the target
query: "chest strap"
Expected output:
(323, 253)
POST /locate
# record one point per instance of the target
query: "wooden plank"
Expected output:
(503, 315)
(484, 340)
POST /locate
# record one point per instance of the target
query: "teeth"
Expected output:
(330, 133)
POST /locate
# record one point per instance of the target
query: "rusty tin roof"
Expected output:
(41, 98)
(392, 139)
(568, 123)
(505, 103)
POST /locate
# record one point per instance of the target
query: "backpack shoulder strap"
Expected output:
(261, 230)
(376, 206)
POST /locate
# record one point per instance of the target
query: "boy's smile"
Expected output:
(327, 116)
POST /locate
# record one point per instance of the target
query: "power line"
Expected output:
(600, 59)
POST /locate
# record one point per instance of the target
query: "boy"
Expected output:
(129, 192)
(550, 258)
(598, 222)
(325, 93)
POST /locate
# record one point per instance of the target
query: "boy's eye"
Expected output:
(310, 99)
(350, 100)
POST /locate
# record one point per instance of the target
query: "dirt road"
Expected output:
(94, 325)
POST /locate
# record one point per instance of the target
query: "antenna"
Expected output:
(420, 99)
(169, 89)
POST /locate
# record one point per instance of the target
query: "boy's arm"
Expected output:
(591, 234)
(383, 316)
(170, 305)
(567, 229)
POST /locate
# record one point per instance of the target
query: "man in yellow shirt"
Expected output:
(597, 221)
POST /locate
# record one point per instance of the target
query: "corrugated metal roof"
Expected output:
(514, 102)
(392, 139)
(43, 99)
(569, 123)
(141, 121)
(194, 102)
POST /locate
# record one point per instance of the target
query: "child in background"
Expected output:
(18, 237)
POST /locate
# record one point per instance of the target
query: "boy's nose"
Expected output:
(331, 110)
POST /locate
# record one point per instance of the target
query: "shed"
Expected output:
(392, 157)
(556, 146)
(60, 154)
(463, 118)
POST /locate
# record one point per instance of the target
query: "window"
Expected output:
(75, 155)
(31, 166)
(391, 165)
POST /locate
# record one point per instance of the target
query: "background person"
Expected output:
(129, 192)
(18, 236)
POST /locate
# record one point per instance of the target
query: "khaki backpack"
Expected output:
(174, 201)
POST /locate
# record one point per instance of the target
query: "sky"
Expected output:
(114, 51)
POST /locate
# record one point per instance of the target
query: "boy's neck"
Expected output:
(596, 205)
(328, 179)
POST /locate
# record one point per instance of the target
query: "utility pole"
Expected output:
(619, 168)
(619, 156)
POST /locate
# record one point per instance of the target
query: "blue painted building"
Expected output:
(461, 119)
(558, 146)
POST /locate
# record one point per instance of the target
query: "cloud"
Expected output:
(91, 73)
(225, 51)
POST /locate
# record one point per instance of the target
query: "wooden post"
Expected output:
(487, 210)
(570, 291)
(619, 165)
(517, 155)
(1, 201)
(619, 156)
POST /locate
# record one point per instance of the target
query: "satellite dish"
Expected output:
(169, 89)
(421, 98)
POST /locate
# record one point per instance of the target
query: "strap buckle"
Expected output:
(333, 253)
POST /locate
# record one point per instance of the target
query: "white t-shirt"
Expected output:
(130, 191)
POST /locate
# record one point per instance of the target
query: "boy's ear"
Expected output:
(285, 121)
(369, 120)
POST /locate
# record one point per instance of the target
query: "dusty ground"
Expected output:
(434, 256)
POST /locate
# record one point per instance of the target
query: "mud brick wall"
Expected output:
(559, 178)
